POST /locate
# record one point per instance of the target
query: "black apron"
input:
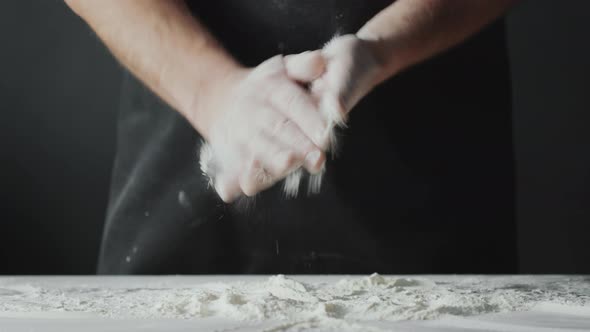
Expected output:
(424, 182)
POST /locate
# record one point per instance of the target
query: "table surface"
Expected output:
(243, 303)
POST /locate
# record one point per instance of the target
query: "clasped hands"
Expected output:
(276, 121)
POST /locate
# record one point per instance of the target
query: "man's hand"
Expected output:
(262, 126)
(403, 34)
(351, 73)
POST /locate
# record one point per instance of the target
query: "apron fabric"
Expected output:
(423, 183)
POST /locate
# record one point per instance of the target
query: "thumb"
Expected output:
(305, 67)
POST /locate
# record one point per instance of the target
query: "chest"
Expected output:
(258, 29)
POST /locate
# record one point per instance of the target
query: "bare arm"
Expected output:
(164, 46)
(260, 123)
(410, 31)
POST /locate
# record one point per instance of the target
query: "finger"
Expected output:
(299, 107)
(280, 129)
(291, 136)
(271, 66)
(271, 161)
(255, 179)
(227, 187)
(305, 67)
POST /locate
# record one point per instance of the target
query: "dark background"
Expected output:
(59, 90)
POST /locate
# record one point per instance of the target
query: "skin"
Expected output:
(162, 44)
(410, 31)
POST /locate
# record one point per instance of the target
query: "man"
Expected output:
(423, 178)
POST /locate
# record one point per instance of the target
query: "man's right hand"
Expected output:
(262, 125)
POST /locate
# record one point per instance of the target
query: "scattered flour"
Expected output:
(295, 305)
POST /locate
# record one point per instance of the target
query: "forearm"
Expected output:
(162, 44)
(410, 31)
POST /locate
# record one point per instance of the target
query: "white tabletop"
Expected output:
(295, 303)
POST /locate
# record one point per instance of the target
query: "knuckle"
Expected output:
(279, 127)
(307, 146)
(286, 97)
(304, 145)
(288, 160)
(299, 140)
(291, 99)
(297, 103)
(252, 164)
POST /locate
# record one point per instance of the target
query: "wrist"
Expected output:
(205, 99)
(386, 57)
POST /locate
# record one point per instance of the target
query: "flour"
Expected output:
(294, 305)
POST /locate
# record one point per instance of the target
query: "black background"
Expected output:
(59, 91)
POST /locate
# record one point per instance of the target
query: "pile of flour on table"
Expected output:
(341, 303)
